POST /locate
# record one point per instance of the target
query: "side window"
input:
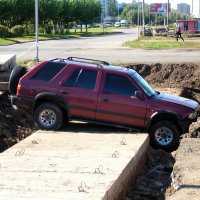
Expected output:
(82, 78)
(48, 71)
(118, 84)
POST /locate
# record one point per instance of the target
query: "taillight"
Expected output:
(18, 89)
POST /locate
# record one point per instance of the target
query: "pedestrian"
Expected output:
(178, 33)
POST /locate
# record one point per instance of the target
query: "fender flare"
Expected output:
(51, 97)
(162, 112)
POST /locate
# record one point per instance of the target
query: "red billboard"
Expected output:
(159, 8)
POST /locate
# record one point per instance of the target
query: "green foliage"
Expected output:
(4, 31)
(17, 30)
(53, 14)
(112, 8)
(160, 44)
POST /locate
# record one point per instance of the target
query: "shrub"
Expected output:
(4, 31)
(30, 28)
(17, 30)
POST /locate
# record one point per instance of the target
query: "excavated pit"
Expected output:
(154, 181)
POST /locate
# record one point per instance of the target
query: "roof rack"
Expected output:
(58, 59)
(86, 60)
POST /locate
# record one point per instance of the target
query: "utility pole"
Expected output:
(36, 30)
(192, 8)
(199, 8)
(143, 19)
(167, 14)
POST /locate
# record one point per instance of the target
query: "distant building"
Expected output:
(183, 8)
(188, 26)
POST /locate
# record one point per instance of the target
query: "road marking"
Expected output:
(22, 54)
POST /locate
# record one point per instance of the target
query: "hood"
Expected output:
(177, 100)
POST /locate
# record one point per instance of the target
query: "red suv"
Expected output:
(94, 91)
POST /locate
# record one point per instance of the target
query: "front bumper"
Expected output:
(195, 114)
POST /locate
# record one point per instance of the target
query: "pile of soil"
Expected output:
(170, 75)
(14, 125)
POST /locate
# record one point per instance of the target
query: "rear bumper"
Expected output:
(15, 101)
(21, 102)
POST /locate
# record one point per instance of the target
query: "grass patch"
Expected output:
(157, 43)
(71, 34)
(24, 62)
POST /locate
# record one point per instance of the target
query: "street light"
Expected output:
(138, 20)
(36, 30)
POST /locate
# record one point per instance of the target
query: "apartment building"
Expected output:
(183, 8)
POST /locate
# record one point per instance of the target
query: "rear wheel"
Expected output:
(164, 135)
(48, 116)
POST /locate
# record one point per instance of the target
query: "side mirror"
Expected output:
(139, 95)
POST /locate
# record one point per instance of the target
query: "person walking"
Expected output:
(178, 33)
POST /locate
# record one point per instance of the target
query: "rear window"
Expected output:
(48, 71)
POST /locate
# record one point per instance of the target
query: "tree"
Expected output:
(64, 15)
(47, 12)
(91, 10)
(6, 13)
(130, 13)
(112, 8)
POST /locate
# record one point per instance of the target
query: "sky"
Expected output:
(173, 3)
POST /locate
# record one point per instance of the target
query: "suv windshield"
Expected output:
(143, 84)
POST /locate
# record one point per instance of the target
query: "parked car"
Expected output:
(109, 24)
(147, 31)
(117, 24)
(104, 26)
(61, 90)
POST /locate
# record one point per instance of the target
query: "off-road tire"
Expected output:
(16, 74)
(170, 129)
(53, 114)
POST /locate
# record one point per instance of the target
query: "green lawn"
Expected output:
(71, 34)
(161, 43)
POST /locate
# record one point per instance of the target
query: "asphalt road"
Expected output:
(108, 48)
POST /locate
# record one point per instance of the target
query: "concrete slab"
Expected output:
(7, 62)
(78, 166)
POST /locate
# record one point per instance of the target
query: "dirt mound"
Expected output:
(170, 75)
(14, 125)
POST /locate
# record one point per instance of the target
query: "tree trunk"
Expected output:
(86, 27)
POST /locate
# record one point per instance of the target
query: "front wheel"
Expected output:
(164, 135)
(48, 116)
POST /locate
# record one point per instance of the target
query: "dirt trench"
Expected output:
(154, 182)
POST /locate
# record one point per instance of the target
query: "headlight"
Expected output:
(192, 115)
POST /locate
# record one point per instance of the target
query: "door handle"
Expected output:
(64, 92)
(105, 99)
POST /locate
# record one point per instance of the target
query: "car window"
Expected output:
(82, 78)
(118, 84)
(48, 71)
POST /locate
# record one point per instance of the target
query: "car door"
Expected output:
(117, 103)
(79, 91)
